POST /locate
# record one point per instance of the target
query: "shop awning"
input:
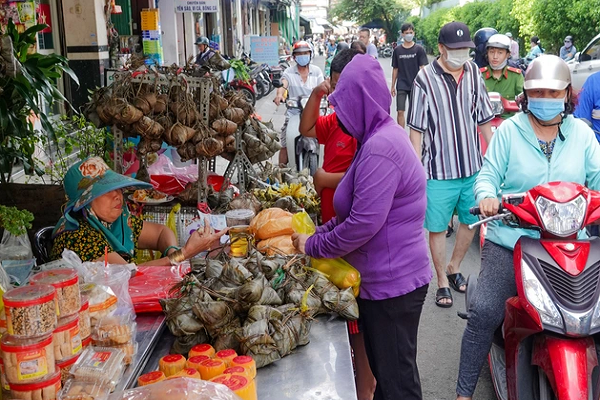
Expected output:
(324, 23)
(316, 28)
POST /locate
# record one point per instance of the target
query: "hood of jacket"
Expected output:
(361, 98)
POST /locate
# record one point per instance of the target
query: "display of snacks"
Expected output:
(151, 377)
(238, 384)
(114, 330)
(171, 364)
(30, 310)
(178, 389)
(194, 362)
(226, 355)
(74, 389)
(65, 367)
(46, 389)
(3, 381)
(129, 349)
(67, 339)
(86, 342)
(203, 349)
(102, 301)
(66, 283)
(28, 359)
(85, 324)
(237, 370)
(247, 362)
(187, 373)
(2, 322)
(99, 363)
(210, 368)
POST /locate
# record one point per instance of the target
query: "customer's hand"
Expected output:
(393, 92)
(278, 99)
(489, 207)
(299, 241)
(323, 89)
(202, 240)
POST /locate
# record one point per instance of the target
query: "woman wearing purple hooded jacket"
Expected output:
(380, 205)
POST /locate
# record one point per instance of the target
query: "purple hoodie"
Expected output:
(380, 203)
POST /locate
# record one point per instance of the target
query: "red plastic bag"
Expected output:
(153, 283)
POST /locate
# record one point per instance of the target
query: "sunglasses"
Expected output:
(567, 41)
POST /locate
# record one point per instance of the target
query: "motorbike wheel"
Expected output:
(312, 163)
(250, 97)
(261, 91)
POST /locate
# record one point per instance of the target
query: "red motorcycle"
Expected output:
(546, 348)
(500, 106)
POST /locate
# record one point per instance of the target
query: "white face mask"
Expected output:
(499, 67)
(457, 58)
(408, 37)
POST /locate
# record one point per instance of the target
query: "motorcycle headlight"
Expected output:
(562, 219)
(538, 297)
(291, 103)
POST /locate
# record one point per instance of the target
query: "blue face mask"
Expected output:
(303, 60)
(546, 109)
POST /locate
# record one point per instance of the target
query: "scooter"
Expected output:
(303, 152)
(546, 348)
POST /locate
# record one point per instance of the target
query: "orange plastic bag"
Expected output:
(277, 245)
(338, 271)
(272, 222)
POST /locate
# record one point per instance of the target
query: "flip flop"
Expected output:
(443, 293)
(456, 281)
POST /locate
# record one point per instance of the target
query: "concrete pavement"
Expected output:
(441, 330)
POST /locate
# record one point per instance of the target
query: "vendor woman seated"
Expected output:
(96, 217)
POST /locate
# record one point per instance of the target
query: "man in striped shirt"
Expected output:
(449, 100)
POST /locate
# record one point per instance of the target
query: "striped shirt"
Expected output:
(296, 87)
(447, 114)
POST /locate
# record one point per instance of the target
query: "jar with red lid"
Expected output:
(67, 340)
(3, 380)
(66, 283)
(65, 367)
(41, 390)
(27, 360)
(85, 324)
(30, 310)
(86, 342)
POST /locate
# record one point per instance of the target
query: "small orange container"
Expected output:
(203, 349)
(186, 373)
(237, 370)
(151, 377)
(239, 384)
(226, 355)
(194, 362)
(210, 368)
(247, 362)
(171, 364)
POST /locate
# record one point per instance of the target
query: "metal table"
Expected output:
(320, 370)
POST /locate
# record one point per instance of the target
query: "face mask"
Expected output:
(568, 45)
(457, 58)
(499, 67)
(303, 60)
(546, 109)
(409, 37)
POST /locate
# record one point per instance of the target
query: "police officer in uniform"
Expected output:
(498, 75)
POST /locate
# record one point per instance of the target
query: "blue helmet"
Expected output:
(482, 36)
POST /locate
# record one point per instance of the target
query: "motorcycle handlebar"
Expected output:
(477, 211)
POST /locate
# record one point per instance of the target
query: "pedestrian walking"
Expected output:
(364, 35)
(568, 50)
(380, 208)
(448, 101)
(407, 59)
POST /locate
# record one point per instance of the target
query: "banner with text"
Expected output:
(265, 49)
(199, 6)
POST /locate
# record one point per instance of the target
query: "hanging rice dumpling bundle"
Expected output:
(256, 342)
(214, 315)
(343, 302)
(184, 344)
(179, 316)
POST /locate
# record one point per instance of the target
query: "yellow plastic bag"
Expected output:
(338, 271)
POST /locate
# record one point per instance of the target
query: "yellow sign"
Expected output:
(150, 19)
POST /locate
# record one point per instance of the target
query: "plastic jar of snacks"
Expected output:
(30, 310)
(80, 390)
(66, 283)
(85, 325)
(67, 341)
(65, 367)
(41, 390)
(86, 342)
(3, 380)
(27, 360)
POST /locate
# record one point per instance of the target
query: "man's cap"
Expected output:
(569, 38)
(455, 35)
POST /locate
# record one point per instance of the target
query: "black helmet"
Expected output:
(482, 36)
(342, 46)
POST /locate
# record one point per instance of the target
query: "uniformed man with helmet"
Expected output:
(498, 75)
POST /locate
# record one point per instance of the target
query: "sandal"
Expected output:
(456, 281)
(441, 294)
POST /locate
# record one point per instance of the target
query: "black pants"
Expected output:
(390, 329)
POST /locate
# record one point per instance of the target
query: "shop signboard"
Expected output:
(265, 49)
(198, 6)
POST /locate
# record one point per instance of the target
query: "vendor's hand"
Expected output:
(393, 92)
(323, 89)
(299, 241)
(202, 240)
(278, 99)
(489, 207)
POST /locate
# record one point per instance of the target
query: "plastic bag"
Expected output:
(338, 271)
(178, 389)
(272, 222)
(282, 245)
(168, 178)
(151, 284)
(15, 247)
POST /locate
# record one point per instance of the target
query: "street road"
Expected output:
(441, 329)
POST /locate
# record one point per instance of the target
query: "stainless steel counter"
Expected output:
(320, 370)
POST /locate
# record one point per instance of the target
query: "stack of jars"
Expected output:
(47, 324)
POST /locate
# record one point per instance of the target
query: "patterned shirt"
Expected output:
(447, 113)
(297, 87)
(89, 243)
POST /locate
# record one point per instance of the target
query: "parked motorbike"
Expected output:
(303, 152)
(546, 348)
(260, 73)
(246, 88)
(284, 61)
(385, 51)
